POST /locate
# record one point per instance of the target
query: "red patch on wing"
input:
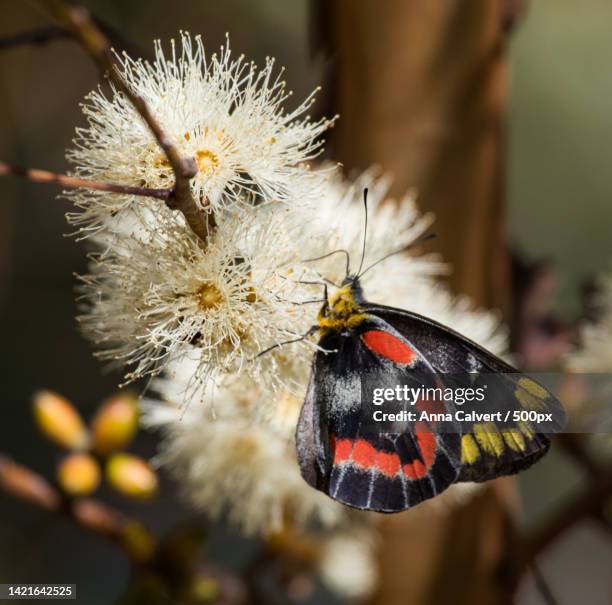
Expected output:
(365, 455)
(415, 470)
(386, 345)
(341, 448)
(427, 445)
(388, 463)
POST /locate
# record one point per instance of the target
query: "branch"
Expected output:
(574, 445)
(543, 586)
(43, 176)
(137, 543)
(175, 562)
(588, 504)
(88, 513)
(77, 20)
(37, 36)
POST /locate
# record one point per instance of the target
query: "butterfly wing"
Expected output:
(487, 450)
(349, 459)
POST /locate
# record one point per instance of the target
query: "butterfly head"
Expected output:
(352, 284)
(343, 310)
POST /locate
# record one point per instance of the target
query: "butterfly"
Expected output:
(362, 345)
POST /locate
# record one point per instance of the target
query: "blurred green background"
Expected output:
(559, 180)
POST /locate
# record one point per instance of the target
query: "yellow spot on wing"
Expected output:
(514, 440)
(530, 394)
(526, 429)
(469, 450)
(528, 401)
(532, 387)
(489, 439)
(493, 442)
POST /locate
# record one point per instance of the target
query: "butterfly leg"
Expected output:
(304, 336)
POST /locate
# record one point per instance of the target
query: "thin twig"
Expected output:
(38, 36)
(44, 176)
(35, 36)
(583, 506)
(604, 521)
(574, 445)
(586, 505)
(78, 21)
(542, 585)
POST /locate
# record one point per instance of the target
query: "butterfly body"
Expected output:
(363, 346)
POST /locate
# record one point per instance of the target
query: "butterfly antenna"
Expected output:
(365, 231)
(418, 242)
(345, 252)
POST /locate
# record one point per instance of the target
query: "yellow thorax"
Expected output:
(343, 311)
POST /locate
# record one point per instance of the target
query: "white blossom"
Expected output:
(348, 564)
(392, 226)
(230, 460)
(223, 111)
(149, 297)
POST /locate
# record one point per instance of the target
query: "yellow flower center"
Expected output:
(209, 297)
(207, 161)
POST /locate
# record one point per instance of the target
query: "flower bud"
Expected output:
(131, 476)
(78, 474)
(115, 423)
(58, 419)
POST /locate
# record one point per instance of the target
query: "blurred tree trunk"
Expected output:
(421, 86)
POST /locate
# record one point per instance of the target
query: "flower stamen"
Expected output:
(207, 161)
(209, 297)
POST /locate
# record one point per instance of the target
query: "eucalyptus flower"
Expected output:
(149, 298)
(225, 112)
(234, 453)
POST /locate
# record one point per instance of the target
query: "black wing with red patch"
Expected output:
(487, 451)
(341, 454)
